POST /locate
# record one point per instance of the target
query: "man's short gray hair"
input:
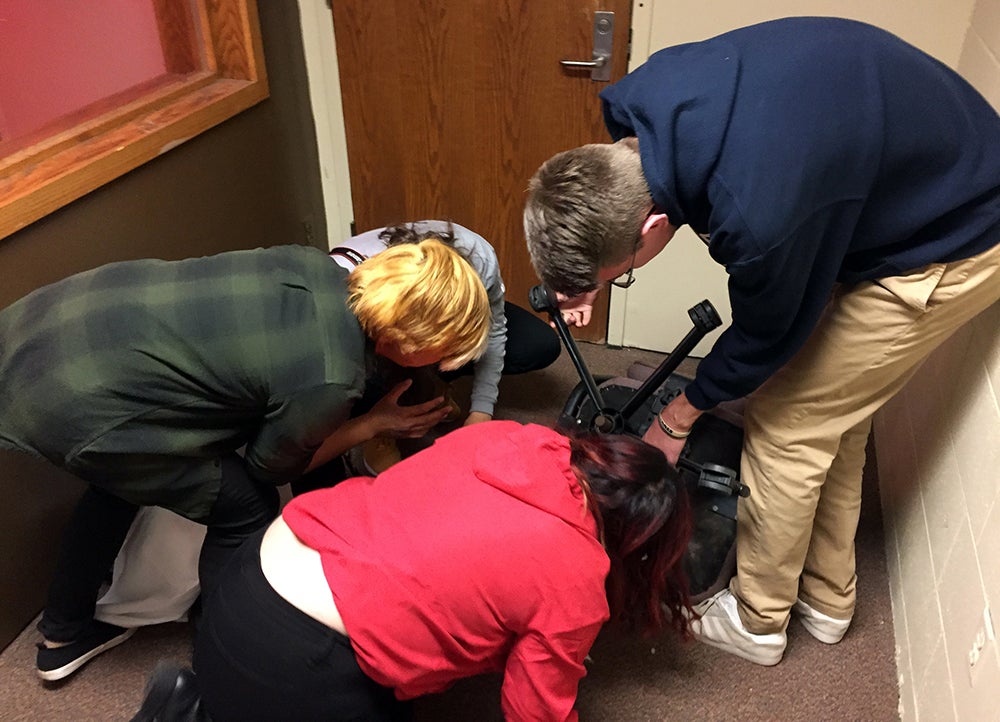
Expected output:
(585, 211)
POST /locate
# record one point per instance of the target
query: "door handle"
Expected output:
(597, 62)
(604, 33)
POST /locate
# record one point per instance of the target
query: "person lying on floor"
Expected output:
(143, 378)
(502, 547)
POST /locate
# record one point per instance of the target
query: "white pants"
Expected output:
(156, 572)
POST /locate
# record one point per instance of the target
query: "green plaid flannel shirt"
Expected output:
(138, 376)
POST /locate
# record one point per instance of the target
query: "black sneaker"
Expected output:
(59, 662)
(172, 695)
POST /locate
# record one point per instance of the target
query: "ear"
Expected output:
(654, 221)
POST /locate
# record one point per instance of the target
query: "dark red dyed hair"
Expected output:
(644, 516)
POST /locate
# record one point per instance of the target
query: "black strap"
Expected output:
(350, 254)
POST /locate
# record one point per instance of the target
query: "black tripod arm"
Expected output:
(543, 300)
(705, 318)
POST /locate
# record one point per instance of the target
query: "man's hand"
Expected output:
(680, 416)
(387, 417)
(576, 311)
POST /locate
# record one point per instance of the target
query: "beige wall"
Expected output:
(938, 446)
(935, 26)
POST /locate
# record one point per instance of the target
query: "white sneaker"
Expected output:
(720, 626)
(826, 629)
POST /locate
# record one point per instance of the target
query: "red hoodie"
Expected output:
(475, 555)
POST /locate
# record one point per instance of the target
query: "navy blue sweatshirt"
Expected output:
(812, 151)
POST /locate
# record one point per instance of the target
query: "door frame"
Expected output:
(320, 50)
(639, 33)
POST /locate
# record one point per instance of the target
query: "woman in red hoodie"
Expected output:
(502, 547)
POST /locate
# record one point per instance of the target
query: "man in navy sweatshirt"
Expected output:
(850, 185)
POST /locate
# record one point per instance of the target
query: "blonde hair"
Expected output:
(422, 296)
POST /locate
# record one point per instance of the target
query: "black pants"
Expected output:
(259, 658)
(98, 528)
(531, 343)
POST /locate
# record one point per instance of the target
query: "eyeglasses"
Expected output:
(629, 274)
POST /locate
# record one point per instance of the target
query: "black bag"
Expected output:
(710, 460)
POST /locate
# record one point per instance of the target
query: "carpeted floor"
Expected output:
(629, 680)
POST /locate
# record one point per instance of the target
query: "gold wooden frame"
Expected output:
(123, 132)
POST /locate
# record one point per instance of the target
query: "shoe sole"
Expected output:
(54, 675)
(770, 647)
(765, 658)
(812, 626)
(818, 634)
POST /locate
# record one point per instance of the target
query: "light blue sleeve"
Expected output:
(489, 367)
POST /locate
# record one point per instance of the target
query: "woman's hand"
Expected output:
(477, 417)
(388, 418)
(576, 311)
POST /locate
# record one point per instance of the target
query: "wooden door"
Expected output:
(451, 105)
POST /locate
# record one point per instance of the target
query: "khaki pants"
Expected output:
(806, 429)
